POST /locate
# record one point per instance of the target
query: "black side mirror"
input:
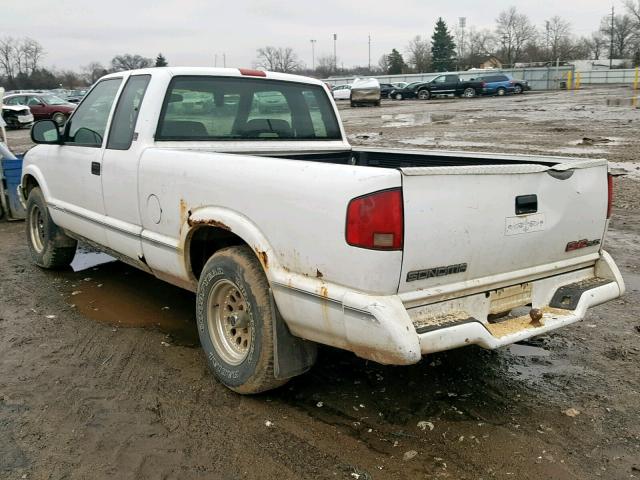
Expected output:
(46, 132)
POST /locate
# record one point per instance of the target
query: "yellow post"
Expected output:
(635, 80)
(569, 79)
(578, 79)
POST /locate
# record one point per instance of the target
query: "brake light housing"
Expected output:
(376, 221)
(609, 194)
(250, 72)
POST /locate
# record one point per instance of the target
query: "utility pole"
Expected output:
(335, 57)
(215, 60)
(611, 44)
(369, 54)
(462, 24)
(313, 55)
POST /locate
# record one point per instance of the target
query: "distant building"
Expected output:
(602, 64)
(490, 61)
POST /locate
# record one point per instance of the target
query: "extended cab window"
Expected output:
(223, 108)
(88, 124)
(126, 113)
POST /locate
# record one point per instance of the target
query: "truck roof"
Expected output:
(221, 72)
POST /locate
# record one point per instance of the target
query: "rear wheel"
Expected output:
(49, 246)
(397, 96)
(59, 118)
(469, 92)
(424, 94)
(235, 321)
(517, 89)
(501, 92)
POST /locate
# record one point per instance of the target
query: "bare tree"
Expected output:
(480, 44)
(278, 59)
(623, 33)
(557, 33)
(514, 31)
(93, 72)
(633, 9)
(7, 56)
(383, 63)
(130, 62)
(32, 53)
(595, 46)
(419, 50)
(324, 65)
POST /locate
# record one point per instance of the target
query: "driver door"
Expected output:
(74, 168)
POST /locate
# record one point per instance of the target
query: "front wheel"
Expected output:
(49, 246)
(398, 96)
(501, 92)
(235, 321)
(518, 89)
(469, 92)
(424, 94)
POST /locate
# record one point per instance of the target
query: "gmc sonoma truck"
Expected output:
(290, 237)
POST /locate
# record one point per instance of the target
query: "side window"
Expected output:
(440, 79)
(33, 101)
(452, 79)
(126, 113)
(88, 124)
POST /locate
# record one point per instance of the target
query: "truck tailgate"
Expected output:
(472, 223)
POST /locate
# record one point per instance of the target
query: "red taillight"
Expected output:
(609, 195)
(252, 73)
(376, 221)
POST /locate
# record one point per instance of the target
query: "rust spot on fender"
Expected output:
(318, 273)
(209, 222)
(264, 259)
(324, 292)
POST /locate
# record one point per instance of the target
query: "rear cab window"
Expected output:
(235, 108)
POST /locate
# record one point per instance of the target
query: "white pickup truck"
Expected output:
(240, 185)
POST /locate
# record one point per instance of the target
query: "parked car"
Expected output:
(43, 106)
(410, 90)
(365, 91)
(496, 84)
(17, 116)
(386, 88)
(290, 239)
(75, 96)
(400, 84)
(519, 86)
(271, 102)
(342, 92)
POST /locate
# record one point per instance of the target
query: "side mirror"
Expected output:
(46, 131)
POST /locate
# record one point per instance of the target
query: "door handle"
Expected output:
(95, 168)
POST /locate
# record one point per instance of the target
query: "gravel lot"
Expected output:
(101, 377)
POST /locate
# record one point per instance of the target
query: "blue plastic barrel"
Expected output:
(12, 173)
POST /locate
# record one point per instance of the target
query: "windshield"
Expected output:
(53, 100)
(222, 108)
(413, 84)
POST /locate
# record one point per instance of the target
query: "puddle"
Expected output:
(623, 102)
(87, 258)
(125, 297)
(532, 363)
(414, 119)
(520, 350)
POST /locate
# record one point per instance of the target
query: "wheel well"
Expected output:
(204, 242)
(28, 184)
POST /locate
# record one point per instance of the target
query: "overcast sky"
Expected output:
(191, 32)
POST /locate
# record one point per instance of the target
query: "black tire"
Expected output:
(351, 103)
(517, 89)
(49, 246)
(469, 92)
(246, 367)
(501, 92)
(377, 104)
(398, 96)
(424, 94)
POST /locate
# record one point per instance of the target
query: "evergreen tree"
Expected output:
(395, 63)
(161, 61)
(443, 48)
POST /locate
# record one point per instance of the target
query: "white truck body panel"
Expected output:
(150, 199)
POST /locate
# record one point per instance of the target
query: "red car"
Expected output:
(43, 105)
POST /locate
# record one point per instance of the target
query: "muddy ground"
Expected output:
(101, 375)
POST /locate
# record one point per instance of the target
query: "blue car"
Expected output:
(497, 84)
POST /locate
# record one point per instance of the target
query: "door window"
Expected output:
(452, 79)
(88, 124)
(34, 101)
(440, 79)
(126, 114)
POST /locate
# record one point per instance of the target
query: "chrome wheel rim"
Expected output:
(423, 95)
(228, 322)
(398, 96)
(501, 92)
(36, 229)
(517, 89)
(469, 93)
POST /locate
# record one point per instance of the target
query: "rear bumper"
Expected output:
(385, 330)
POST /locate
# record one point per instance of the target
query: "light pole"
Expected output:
(313, 54)
(335, 57)
(462, 22)
(369, 54)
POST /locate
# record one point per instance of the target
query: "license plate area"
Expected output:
(506, 299)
